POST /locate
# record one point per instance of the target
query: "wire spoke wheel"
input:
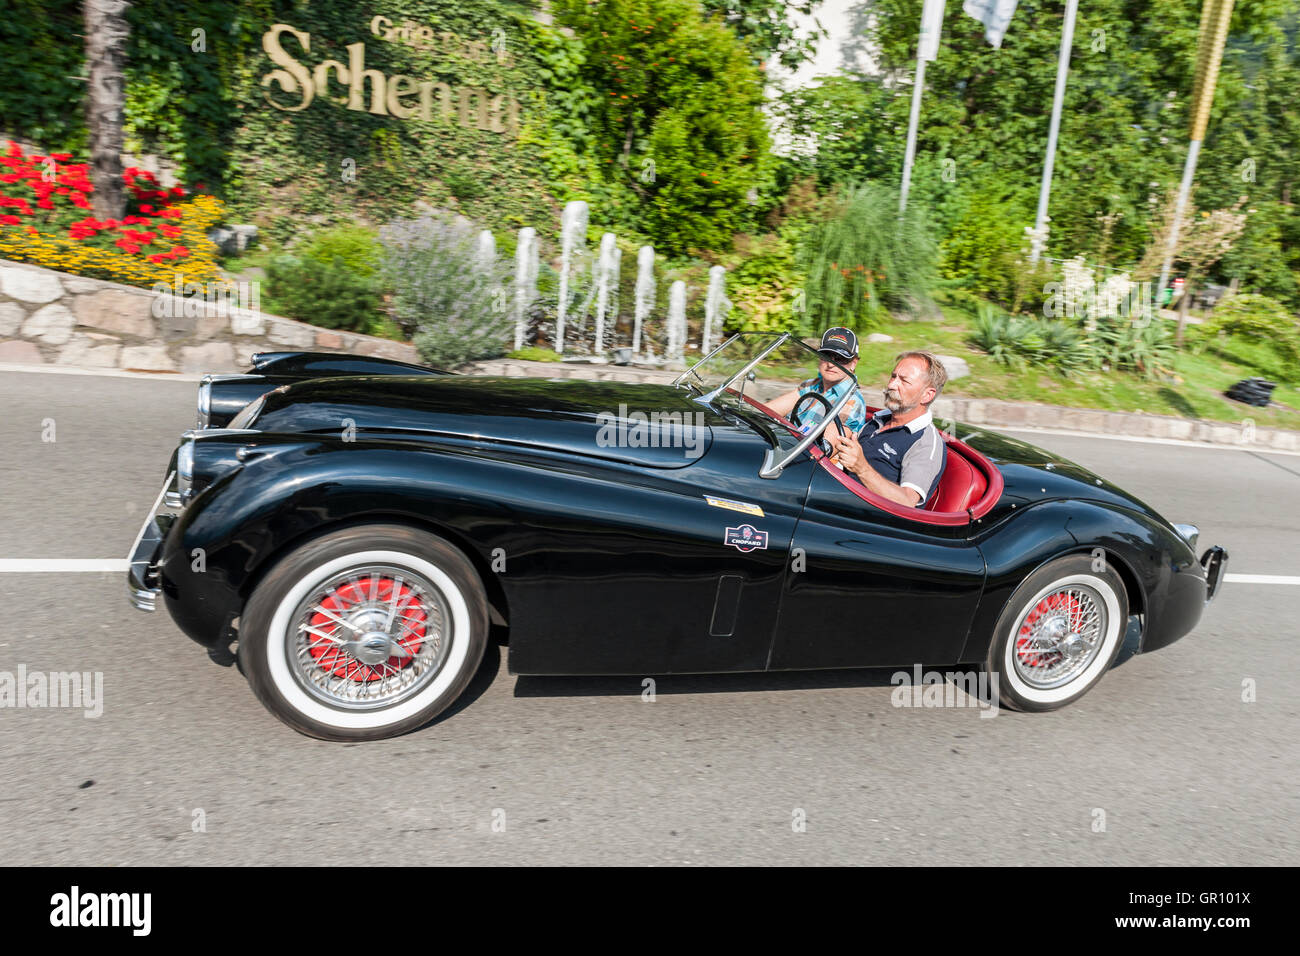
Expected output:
(1058, 633)
(369, 637)
(1057, 638)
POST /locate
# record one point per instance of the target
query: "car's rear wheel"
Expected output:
(364, 633)
(1058, 634)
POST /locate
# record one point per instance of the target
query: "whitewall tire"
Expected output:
(1059, 633)
(364, 633)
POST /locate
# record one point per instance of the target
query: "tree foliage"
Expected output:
(768, 27)
(1124, 128)
(676, 122)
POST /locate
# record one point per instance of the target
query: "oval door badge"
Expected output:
(746, 538)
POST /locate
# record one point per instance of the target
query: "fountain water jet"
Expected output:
(645, 292)
(525, 281)
(485, 251)
(716, 305)
(606, 284)
(573, 237)
(676, 320)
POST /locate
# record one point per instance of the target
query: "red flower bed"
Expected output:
(51, 196)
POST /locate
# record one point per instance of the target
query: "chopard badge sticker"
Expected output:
(746, 538)
(742, 506)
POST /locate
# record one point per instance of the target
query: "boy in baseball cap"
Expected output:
(839, 351)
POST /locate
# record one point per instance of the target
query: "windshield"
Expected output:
(786, 362)
(751, 369)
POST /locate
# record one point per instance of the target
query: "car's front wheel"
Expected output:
(1058, 634)
(364, 633)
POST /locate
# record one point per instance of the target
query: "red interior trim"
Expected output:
(978, 510)
(894, 508)
(948, 518)
(991, 474)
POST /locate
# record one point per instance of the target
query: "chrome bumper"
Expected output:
(142, 585)
(1214, 562)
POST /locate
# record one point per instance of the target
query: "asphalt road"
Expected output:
(1162, 763)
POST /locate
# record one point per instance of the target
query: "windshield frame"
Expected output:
(774, 461)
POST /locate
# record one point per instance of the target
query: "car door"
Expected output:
(675, 572)
(867, 588)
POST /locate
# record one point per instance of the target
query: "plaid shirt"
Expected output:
(854, 414)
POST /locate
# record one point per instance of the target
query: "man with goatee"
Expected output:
(899, 453)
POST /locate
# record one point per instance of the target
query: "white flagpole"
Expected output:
(911, 134)
(1215, 16)
(1062, 68)
(927, 48)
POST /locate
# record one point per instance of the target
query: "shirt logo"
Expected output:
(746, 538)
(887, 448)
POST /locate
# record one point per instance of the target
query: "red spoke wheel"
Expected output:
(364, 633)
(1058, 634)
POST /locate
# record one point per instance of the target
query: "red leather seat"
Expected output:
(960, 487)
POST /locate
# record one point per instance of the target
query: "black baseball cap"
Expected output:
(840, 341)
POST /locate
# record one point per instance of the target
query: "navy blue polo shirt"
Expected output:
(911, 455)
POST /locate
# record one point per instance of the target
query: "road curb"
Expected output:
(996, 413)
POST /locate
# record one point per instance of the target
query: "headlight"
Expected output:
(205, 402)
(184, 472)
(1189, 533)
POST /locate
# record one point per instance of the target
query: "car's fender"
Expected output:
(1160, 571)
(287, 492)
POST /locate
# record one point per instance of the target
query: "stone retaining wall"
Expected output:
(49, 317)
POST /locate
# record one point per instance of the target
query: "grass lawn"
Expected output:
(1196, 392)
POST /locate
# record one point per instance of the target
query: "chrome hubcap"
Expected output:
(1059, 636)
(369, 637)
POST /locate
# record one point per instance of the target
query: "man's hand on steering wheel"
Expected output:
(826, 445)
(848, 452)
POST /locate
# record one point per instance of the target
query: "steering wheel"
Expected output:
(825, 446)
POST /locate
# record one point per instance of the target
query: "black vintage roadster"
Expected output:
(358, 525)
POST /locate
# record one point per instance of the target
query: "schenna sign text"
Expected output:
(353, 86)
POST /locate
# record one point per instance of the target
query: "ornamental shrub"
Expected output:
(983, 248)
(328, 294)
(675, 129)
(1261, 320)
(356, 247)
(455, 303)
(1145, 348)
(864, 260)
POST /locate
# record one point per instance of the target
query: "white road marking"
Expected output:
(57, 565)
(1261, 579)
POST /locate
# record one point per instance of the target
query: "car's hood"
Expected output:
(655, 425)
(1032, 474)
